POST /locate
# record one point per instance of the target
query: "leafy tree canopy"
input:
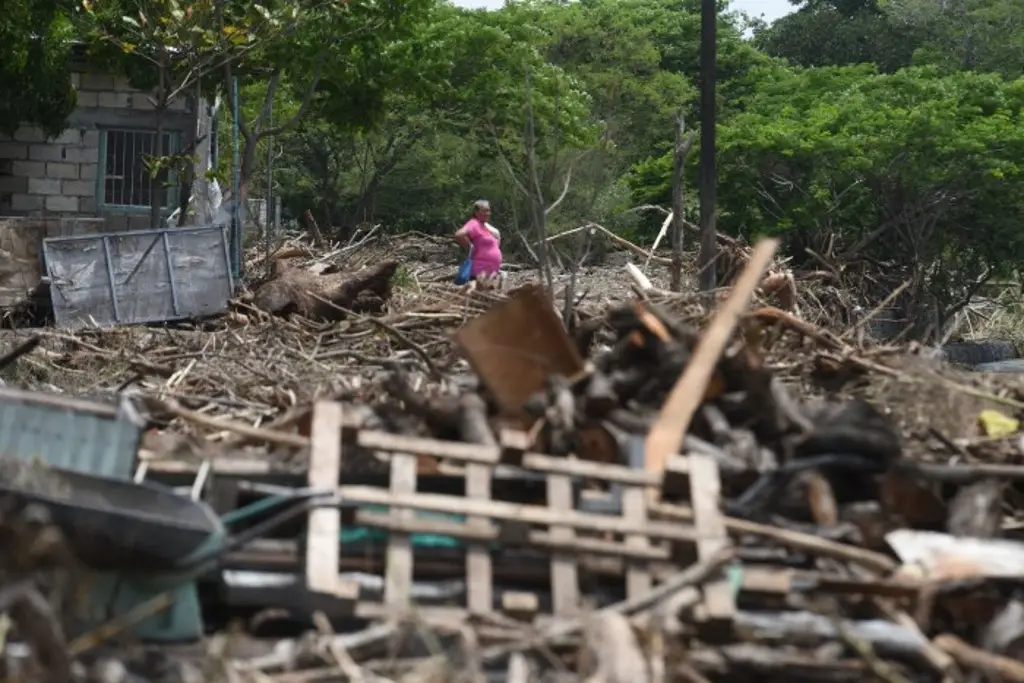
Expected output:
(35, 48)
(839, 33)
(982, 35)
(914, 169)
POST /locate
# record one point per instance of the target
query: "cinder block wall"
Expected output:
(58, 176)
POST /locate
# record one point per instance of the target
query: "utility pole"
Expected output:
(708, 77)
(236, 211)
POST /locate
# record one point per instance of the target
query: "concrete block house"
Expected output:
(90, 179)
(96, 167)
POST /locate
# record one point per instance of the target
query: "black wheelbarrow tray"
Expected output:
(123, 526)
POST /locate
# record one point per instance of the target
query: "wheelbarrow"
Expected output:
(138, 540)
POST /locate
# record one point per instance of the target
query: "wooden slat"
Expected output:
(323, 538)
(666, 435)
(705, 490)
(398, 575)
(520, 605)
(613, 474)
(253, 467)
(491, 455)
(512, 512)
(541, 539)
(564, 576)
(415, 445)
(634, 509)
(479, 578)
(447, 616)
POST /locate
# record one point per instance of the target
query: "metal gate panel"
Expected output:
(143, 276)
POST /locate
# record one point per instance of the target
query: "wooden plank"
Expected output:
(634, 509)
(666, 435)
(454, 450)
(705, 490)
(398, 576)
(21, 240)
(60, 402)
(541, 539)
(492, 455)
(479, 577)
(20, 271)
(564, 576)
(513, 512)
(520, 605)
(240, 467)
(323, 538)
(442, 616)
(768, 580)
(612, 474)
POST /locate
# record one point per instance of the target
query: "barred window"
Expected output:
(125, 178)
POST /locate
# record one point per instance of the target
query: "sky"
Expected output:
(771, 9)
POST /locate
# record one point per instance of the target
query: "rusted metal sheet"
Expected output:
(516, 346)
(138, 277)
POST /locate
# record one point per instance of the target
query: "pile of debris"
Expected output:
(737, 495)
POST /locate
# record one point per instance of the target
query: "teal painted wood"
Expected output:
(72, 434)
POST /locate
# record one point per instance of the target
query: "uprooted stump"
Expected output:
(326, 297)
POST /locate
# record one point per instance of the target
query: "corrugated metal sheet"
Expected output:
(69, 433)
(143, 276)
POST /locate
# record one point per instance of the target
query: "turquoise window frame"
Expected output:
(101, 170)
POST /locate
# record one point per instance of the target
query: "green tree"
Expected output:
(454, 109)
(337, 61)
(170, 49)
(639, 62)
(841, 33)
(913, 173)
(983, 35)
(35, 77)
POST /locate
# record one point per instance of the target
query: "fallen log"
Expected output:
(322, 297)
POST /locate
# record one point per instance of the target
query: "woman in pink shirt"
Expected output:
(484, 239)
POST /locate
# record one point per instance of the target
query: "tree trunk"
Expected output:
(540, 219)
(156, 180)
(293, 290)
(246, 166)
(676, 228)
(683, 147)
(186, 184)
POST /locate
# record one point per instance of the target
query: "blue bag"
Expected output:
(465, 270)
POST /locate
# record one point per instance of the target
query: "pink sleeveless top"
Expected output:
(486, 252)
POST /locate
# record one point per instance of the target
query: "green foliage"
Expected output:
(35, 49)
(171, 46)
(618, 60)
(457, 105)
(361, 43)
(983, 35)
(840, 33)
(404, 111)
(914, 169)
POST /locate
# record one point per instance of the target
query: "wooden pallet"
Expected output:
(553, 526)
